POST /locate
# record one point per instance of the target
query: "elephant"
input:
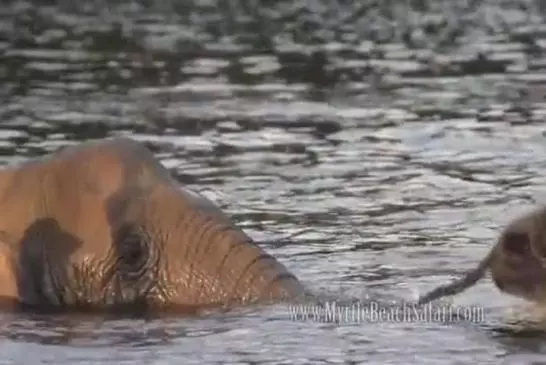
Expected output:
(517, 262)
(103, 224)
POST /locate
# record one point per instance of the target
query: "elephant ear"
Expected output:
(44, 265)
(516, 243)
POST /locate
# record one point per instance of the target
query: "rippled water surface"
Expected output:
(388, 142)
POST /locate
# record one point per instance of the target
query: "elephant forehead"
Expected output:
(200, 202)
(168, 204)
(109, 166)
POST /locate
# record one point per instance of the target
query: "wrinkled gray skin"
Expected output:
(103, 225)
(517, 262)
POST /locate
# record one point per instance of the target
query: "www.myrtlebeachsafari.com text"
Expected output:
(373, 312)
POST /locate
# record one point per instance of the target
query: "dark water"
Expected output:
(390, 140)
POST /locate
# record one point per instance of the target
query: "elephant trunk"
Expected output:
(207, 260)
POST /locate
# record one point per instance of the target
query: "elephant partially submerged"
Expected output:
(517, 262)
(103, 225)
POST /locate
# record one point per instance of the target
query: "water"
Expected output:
(389, 143)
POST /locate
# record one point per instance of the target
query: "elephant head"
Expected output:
(517, 262)
(104, 225)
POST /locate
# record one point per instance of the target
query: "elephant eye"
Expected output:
(131, 248)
